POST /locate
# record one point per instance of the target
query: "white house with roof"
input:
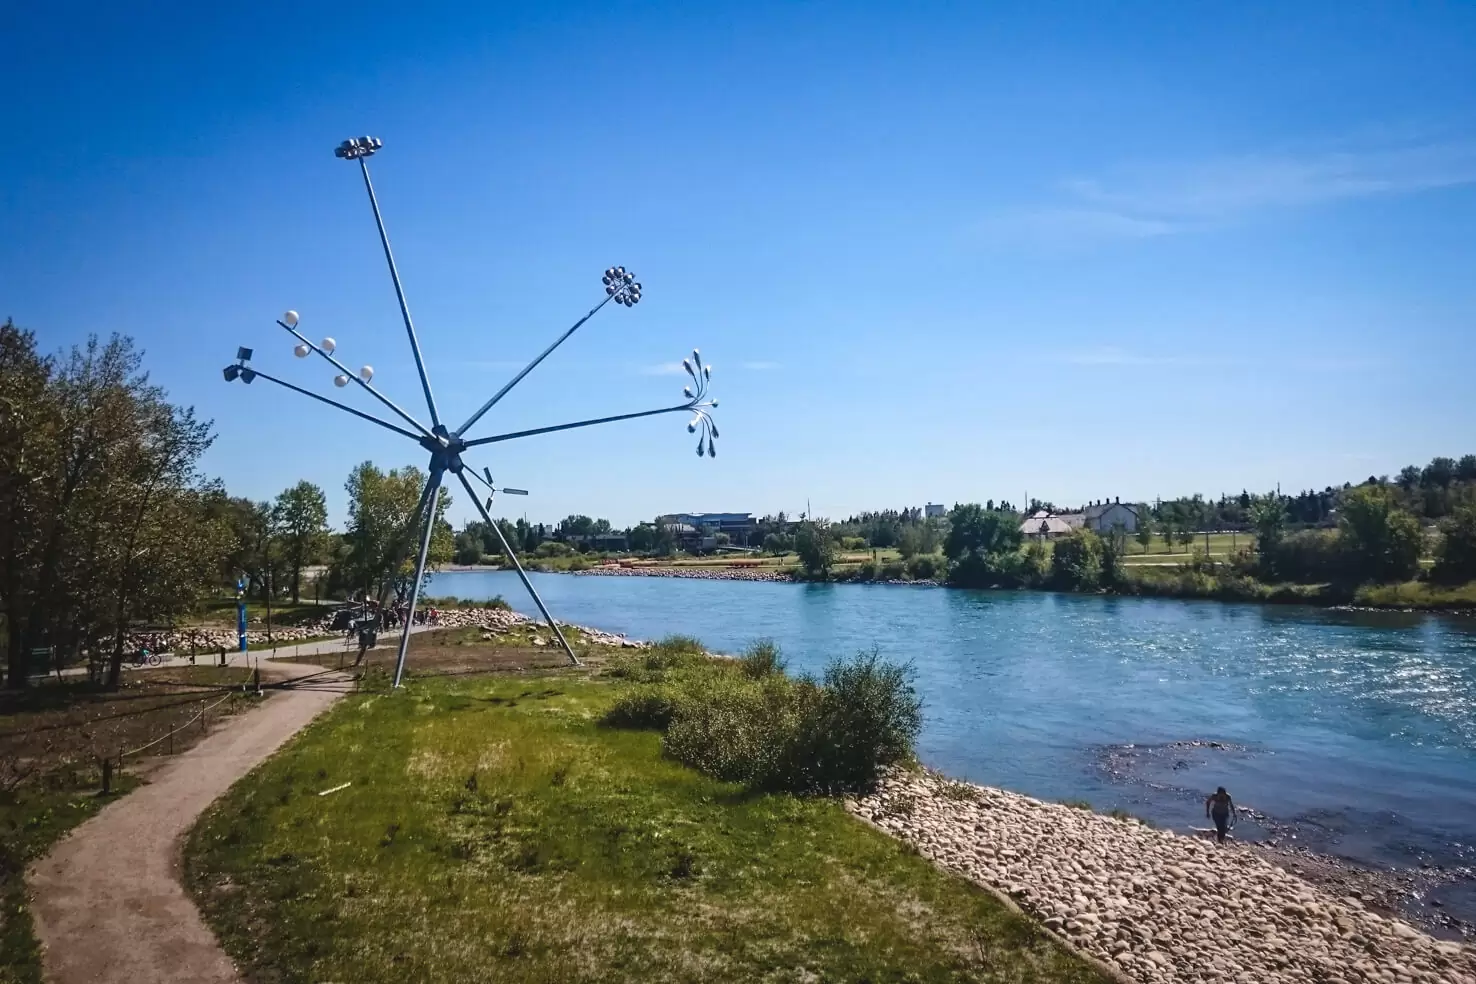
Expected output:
(1099, 517)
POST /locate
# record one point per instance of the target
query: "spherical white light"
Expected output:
(366, 373)
(340, 381)
(290, 319)
(328, 345)
(301, 350)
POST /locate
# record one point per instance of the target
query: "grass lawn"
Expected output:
(51, 737)
(494, 831)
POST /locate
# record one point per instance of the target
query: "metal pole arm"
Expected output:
(522, 574)
(355, 377)
(257, 373)
(494, 439)
(430, 401)
(530, 367)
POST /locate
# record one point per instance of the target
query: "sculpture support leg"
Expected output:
(507, 549)
(431, 497)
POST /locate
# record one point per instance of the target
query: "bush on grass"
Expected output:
(745, 721)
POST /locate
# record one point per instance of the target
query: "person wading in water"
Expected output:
(1221, 809)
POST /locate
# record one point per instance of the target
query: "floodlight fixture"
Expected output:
(447, 447)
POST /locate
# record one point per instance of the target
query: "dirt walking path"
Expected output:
(108, 902)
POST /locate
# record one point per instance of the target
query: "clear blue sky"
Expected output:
(933, 251)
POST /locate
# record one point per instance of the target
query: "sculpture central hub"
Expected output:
(445, 450)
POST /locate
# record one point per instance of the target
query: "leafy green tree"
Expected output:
(1440, 472)
(778, 544)
(1382, 541)
(1455, 558)
(384, 530)
(975, 532)
(300, 517)
(918, 539)
(1144, 534)
(1076, 561)
(1185, 535)
(1466, 468)
(1268, 519)
(815, 544)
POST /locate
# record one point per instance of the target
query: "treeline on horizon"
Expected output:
(107, 523)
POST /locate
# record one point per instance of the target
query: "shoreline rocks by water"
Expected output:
(495, 621)
(1161, 907)
(703, 573)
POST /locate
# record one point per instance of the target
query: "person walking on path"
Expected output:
(1221, 809)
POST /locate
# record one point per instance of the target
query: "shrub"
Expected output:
(1035, 566)
(865, 716)
(553, 548)
(854, 543)
(923, 567)
(815, 545)
(1076, 561)
(673, 653)
(578, 563)
(894, 570)
(761, 659)
(866, 572)
(643, 708)
(745, 721)
(1310, 556)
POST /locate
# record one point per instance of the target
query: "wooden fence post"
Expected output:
(107, 775)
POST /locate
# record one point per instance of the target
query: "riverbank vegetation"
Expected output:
(544, 839)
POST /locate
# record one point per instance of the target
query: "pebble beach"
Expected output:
(1157, 907)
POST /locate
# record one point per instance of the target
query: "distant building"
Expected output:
(1042, 524)
(934, 510)
(1099, 517)
(1103, 516)
(737, 525)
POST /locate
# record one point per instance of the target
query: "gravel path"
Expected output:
(108, 903)
(1162, 907)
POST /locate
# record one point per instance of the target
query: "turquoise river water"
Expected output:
(1353, 732)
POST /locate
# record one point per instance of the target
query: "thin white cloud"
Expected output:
(1161, 198)
(760, 366)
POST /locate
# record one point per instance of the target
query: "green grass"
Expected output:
(495, 831)
(1416, 594)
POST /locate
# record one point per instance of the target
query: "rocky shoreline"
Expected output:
(494, 620)
(1159, 907)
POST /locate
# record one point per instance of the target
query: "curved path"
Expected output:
(108, 902)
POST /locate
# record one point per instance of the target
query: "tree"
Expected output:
(105, 520)
(1166, 531)
(1268, 519)
(1076, 561)
(1455, 558)
(384, 530)
(1382, 541)
(300, 516)
(815, 544)
(578, 525)
(1185, 535)
(1440, 472)
(1144, 534)
(918, 539)
(1466, 468)
(778, 544)
(1409, 477)
(978, 533)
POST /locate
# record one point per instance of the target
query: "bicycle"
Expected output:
(145, 658)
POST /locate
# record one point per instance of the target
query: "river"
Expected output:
(1355, 732)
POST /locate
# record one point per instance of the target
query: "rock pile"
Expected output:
(1161, 907)
(495, 621)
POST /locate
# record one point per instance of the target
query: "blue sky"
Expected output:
(933, 251)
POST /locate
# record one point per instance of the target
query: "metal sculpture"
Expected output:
(446, 447)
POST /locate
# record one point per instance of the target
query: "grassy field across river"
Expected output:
(492, 829)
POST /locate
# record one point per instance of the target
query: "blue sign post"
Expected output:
(241, 614)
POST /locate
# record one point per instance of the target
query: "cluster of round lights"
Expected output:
(620, 284)
(355, 147)
(326, 346)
